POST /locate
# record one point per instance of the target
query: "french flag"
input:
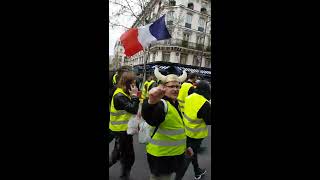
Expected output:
(136, 39)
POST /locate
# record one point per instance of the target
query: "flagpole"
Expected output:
(145, 59)
(144, 65)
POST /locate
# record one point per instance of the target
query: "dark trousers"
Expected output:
(110, 136)
(165, 165)
(123, 151)
(195, 145)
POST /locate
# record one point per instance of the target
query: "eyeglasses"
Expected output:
(177, 86)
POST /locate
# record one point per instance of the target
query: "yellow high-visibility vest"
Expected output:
(119, 118)
(195, 128)
(146, 86)
(183, 93)
(170, 138)
(114, 79)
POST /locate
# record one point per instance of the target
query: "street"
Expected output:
(140, 169)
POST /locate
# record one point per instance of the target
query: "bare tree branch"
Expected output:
(141, 4)
(129, 6)
(117, 25)
(137, 3)
(116, 3)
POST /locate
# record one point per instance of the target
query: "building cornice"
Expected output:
(188, 9)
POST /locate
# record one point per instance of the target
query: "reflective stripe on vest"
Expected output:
(119, 122)
(198, 121)
(170, 138)
(119, 113)
(195, 128)
(119, 118)
(167, 143)
(170, 132)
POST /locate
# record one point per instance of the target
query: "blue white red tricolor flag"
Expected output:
(136, 39)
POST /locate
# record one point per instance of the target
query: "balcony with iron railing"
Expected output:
(181, 43)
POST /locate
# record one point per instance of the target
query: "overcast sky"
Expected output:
(115, 33)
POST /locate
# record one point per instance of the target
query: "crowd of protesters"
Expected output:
(177, 104)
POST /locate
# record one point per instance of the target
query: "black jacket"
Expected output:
(122, 102)
(205, 113)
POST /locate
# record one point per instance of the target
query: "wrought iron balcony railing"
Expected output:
(181, 43)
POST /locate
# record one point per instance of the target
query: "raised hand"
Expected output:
(134, 90)
(155, 94)
(189, 151)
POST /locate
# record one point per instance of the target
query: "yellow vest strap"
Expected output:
(168, 143)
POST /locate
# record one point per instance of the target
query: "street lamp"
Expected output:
(204, 38)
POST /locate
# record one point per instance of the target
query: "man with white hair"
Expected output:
(167, 148)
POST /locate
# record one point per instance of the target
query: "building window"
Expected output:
(203, 10)
(170, 18)
(166, 57)
(201, 24)
(196, 61)
(183, 59)
(172, 3)
(209, 44)
(185, 40)
(199, 43)
(188, 21)
(186, 36)
(190, 6)
(199, 39)
(207, 63)
(154, 57)
(148, 59)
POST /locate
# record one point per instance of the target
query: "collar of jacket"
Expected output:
(176, 104)
(171, 101)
